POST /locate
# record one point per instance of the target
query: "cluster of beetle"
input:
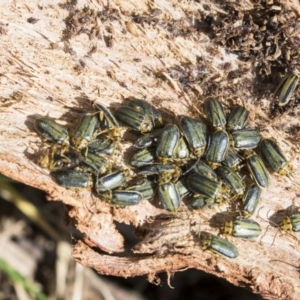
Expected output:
(197, 160)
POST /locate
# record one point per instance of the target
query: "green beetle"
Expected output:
(217, 148)
(111, 181)
(195, 133)
(108, 123)
(199, 166)
(106, 117)
(232, 180)
(237, 118)
(242, 228)
(218, 245)
(286, 88)
(182, 187)
(149, 139)
(85, 131)
(181, 152)
(202, 185)
(257, 169)
(72, 178)
(51, 131)
(233, 160)
(275, 158)
(168, 196)
(143, 157)
(215, 113)
(55, 159)
(250, 200)
(134, 119)
(165, 172)
(103, 145)
(122, 197)
(148, 109)
(201, 201)
(245, 138)
(167, 143)
(146, 187)
(96, 164)
(291, 222)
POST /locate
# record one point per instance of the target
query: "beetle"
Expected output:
(233, 160)
(134, 119)
(149, 139)
(111, 181)
(218, 245)
(201, 201)
(55, 158)
(274, 157)
(181, 152)
(149, 110)
(251, 200)
(167, 143)
(85, 131)
(181, 187)
(199, 166)
(165, 172)
(231, 179)
(237, 118)
(146, 187)
(215, 113)
(96, 164)
(72, 178)
(257, 169)
(195, 133)
(202, 185)
(52, 131)
(168, 196)
(291, 222)
(242, 228)
(109, 123)
(103, 145)
(286, 88)
(143, 157)
(106, 117)
(217, 148)
(122, 197)
(244, 138)
(157, 168)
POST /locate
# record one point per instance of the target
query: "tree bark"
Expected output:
(56, 59)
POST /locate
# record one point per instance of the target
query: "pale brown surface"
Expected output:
(45, 72)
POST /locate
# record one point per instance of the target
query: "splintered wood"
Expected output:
(174, 55)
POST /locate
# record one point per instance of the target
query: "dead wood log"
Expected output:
(56, 59)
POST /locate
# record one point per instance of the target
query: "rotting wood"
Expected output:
(74, 55)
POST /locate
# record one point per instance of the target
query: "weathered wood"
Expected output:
(74, 55)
